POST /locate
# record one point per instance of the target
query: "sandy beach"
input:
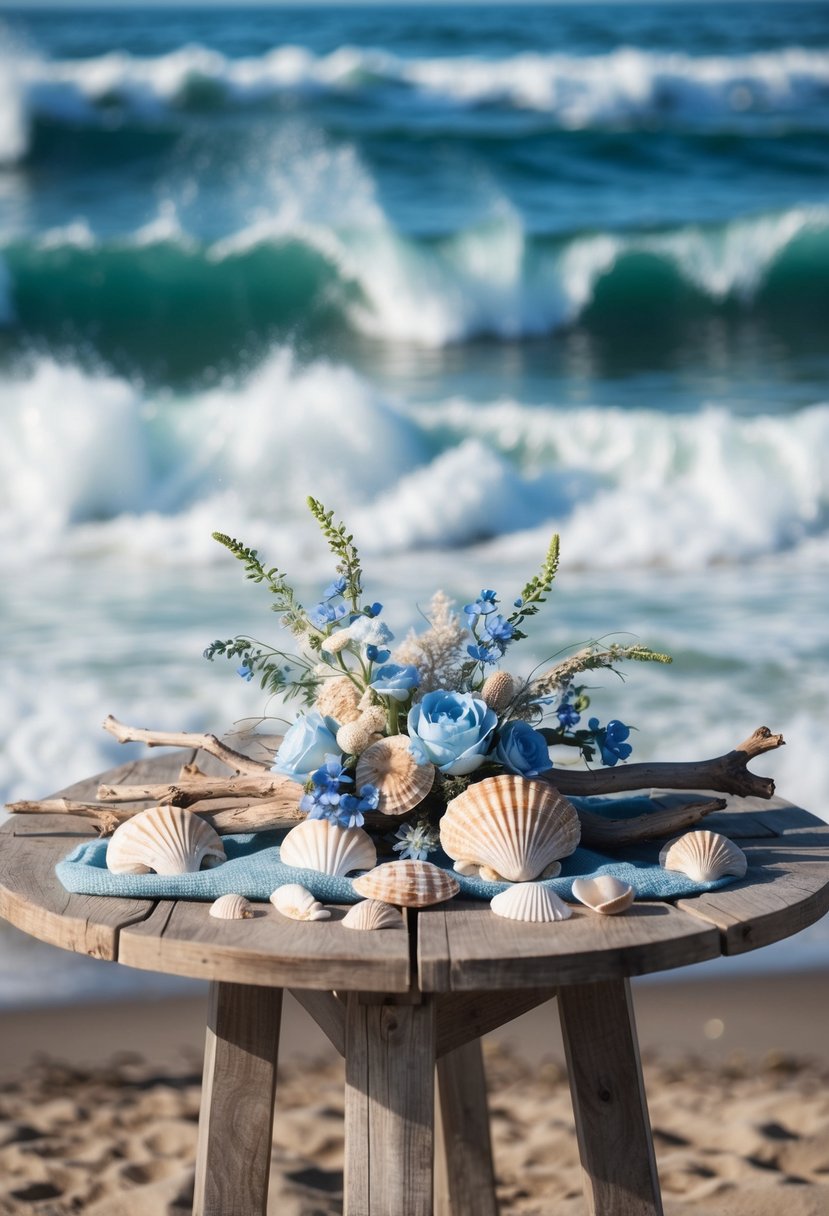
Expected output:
(99, 1105)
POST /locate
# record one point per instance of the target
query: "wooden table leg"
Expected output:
(609, 1104)
(389, 1108)
(236, 1119)
(464, 1177)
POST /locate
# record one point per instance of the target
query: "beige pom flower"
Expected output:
(498, 690)
(335, 642)
(338, 699)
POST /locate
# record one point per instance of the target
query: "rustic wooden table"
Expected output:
(400, 1005)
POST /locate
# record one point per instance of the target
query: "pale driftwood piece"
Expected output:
(198, 789)
(389, 1108)
(327, 1010)
(726, 774)
(463, 1016)
(609, 1104)
(600, 832)
(106, 819)
(208, 743)
(233, 1156)
(263, 816)
(464, 1177)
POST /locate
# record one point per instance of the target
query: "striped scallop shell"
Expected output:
(530, 901)
(390, 766)
(295, 902)
(319, 844)
(704, 856)
(372, 914)
(408, 884)
(604, 894)
(232, 907)
(513, 827)
(164, 839)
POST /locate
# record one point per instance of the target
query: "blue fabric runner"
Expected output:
(253, 868)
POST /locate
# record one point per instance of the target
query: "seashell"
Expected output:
(319, 844)
(530, 901)
(704, 856)
(337, 699)
(408, 884)
(164, 839)
(604, 894)
(372, 914)
(498, 690)
(232, 907)
(390, 766)
(295, 902)
(513, 827)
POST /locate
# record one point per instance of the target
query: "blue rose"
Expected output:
(522, 750)
(306, 745)
(395, 681)
(452, 730)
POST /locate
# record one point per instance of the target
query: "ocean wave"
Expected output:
(625, 86)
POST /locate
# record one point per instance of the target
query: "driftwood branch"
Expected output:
(600, 832)
(189, 790)
(238, 761)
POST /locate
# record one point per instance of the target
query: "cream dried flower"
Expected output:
(438, 654)
(338, 699)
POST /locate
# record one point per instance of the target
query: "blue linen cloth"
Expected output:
(254, 869)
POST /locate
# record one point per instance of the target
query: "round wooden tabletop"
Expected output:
(456, 947)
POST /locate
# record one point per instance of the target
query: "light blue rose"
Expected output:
(522, 750)
(452, 730)
(306, 745)
(395, 681)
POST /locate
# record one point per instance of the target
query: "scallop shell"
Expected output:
(319, 844)
(390, 766)
(166, 839)
(408, 884)
(372, 914)
(604, 894)
(232, 907)
(530, 901)
(514, 827)
(297, 903)
(704, 856)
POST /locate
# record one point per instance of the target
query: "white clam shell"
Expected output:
(390, 766)
(604, 894)
(530, 901)
(372, 914)
(231, 907)
(704, 856)
(297, 903)
(408, 884)
(319, 844)
(512, 827)
(166, 840)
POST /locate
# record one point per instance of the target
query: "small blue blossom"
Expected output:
(500, 629)
(323, 614)
(375, 655)
(374, 609)
(611, 740)
(329, 776)
(485, 653)
(483, 605)
(245, 672)
(415, 840)
(352, 809)
(519, 603)
(336, 588)
(567, 715)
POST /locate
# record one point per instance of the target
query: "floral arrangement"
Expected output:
(443, 690)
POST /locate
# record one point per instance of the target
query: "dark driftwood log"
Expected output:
(598, 832)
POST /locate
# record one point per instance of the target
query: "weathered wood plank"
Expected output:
(463, 1016)
(235, 1123)
(612, 1124)
(327, 1010)
(389, 1108)
(464, 1176)
(464, 946)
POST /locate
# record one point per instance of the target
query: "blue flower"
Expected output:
(330, 774)
(306, 746)
(519, 603)
(415, 840)
(323, 614)
(395, 681)
(374, 609)
(336, 588)
(567, 715)
(245, 672)
(499, 629)
(374, 655)
(452, 730)
(522, 750)
(611, 740)
(483, 605)
(352, 809)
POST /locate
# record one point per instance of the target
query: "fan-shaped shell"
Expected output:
(319, 844)
(372, 914)
(408, 884)
(166, 839)
(530, 901)
(604, 894)
(704, 856)
(390, 766)
(295, 902)
(231, 907)
(513, 826)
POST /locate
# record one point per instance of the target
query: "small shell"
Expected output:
(390, 766)
(164, 839)
(704, 856)
(604, 894)
(514, 827)
(337, 699)
(295, 902)
(232, 907)
(319, 844)
(408, 884)
(530, 901)
(372, 914)
(498, 690)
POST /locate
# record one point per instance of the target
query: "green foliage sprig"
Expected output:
(285, 602)
(341, 544)
(537, 589)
